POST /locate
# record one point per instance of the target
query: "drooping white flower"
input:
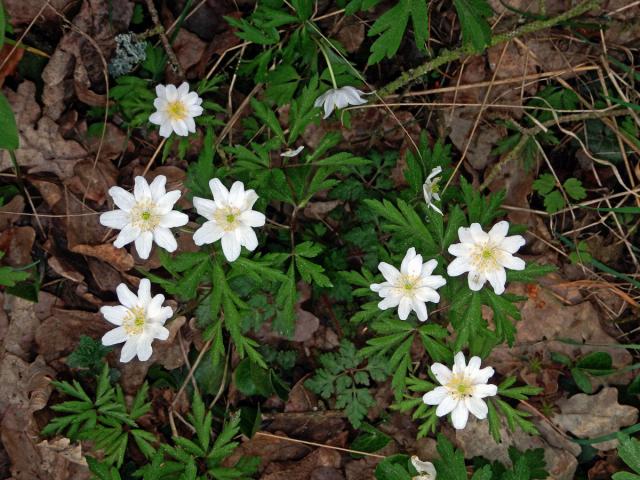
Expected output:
(411, 287)
(486, 255)
(462, 390)
(292, 153)
(430, 189)
(229, 218)
(139, 320)
(339, 98)
(426, 470)
(176, 109)
(146, 216)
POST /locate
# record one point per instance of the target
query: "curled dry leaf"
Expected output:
(118, 258)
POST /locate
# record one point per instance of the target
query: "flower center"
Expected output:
(176, 110)
(460, 387)
(227, 218)
(144, 217)
(485, 258)
(407, 285)
(134, 321)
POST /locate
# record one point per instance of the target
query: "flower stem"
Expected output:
(326, 57)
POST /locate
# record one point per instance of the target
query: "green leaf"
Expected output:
(629, 452)
(544, 184)
(9, 131)
(574, 189)
(3, 24)
(476, 30)
(370, 439)
(269, 118)
(393, 467)
(554, 202)
(582, 380)
(450, 465)
(392, 24)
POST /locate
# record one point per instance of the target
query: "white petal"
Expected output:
(220, 192)
(123, 199)
(167, 201)
(115, 336)
(473, 367)
(166, 129)
(154, 308)
(251, 218)
(156, 118)
(497, 278)
(292, 153)
(320, 100)
(512, 263)
(424, 467)
(427, 295)
(248, 238)
(434, 172)
(485, 390)
(428, 268)
(459, 364)
(230, 246)
(513, 243)
(191, 124)
(458, 266)
(236, 194)
(165, 239)
(115, 219)
(459, 416)
(143, 244)
(476, 280)
(160, 332)
(477, 407)
(390, 273)
(415, 266)
(447, 405)
(144, 292)
(183, 89)
(477, 233)
(404, 308)
(161, 91)
(499, 231)
(157, 187)
(421, 310)
(114, 314)
(435, 396)
(180, 127)
(329, 104)
(174, 219)
(171, 93)
(442, 373)
(144, 348)
(129, 350)
(126, 297)
(141, 189)
(460, 249)
(127, 235)
(389, 302)
(209, 232)
(464, 234)
(204, 207)
(408, 257)
(483, 375)
(250, 198)
(195, 110)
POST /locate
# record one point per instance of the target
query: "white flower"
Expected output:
(461, 391)
(146, 216)
(339, 98)
(426, 470)
(411, 287)
(430, 189)
(486, 255)
(139, 320)
(176, 109)
(292, 153)
(229, 217)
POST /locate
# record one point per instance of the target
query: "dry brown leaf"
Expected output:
(17, 242)
(118, 258)
(22, 12)
(11, 212)
(321, 464)
(590, 416)
(188, 48)
(93, 180)
(42, 147)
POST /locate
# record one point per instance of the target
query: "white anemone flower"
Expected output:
(411, 287)
(146, 216)
(176, 109)
(139, 320)
(462, 390)
(426, 470)
(339, 98)
(292, 153)
(430, 189)
(486, 255)
(229, 218)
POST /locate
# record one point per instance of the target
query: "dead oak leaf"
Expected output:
(118, 258)
(590, 416)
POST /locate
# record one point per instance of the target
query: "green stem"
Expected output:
(452, 55)
(326, 57)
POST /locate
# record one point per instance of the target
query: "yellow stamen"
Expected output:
(176, 110)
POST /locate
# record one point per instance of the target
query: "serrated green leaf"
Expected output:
(476, 30)
(9, 139)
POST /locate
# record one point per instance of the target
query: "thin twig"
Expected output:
(314, 444)
(173, 60)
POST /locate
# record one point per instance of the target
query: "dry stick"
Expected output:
(191, 370)
(314, 444)
(173, 60)
(527, 133)
(153, 157)
(447, 56)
